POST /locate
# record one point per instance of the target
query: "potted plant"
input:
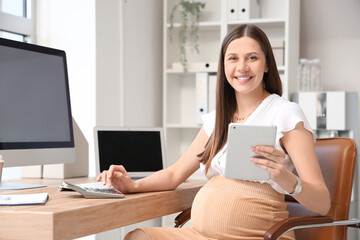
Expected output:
(190, 14)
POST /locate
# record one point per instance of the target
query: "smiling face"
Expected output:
(244, 65)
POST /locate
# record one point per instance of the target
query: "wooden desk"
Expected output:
(68, 215)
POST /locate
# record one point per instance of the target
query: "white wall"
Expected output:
(142, 62)
(108, 64)
(69, 25)
(129, 63)
(330, 31)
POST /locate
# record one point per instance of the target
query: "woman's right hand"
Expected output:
(117, 177)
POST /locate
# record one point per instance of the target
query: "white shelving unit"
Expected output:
(280, 21)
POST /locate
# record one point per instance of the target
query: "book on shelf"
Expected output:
(212, 92)
(205, 94)
(196, 66)
(242, 9)
(201, 95)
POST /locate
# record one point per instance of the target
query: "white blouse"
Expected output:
(274, 111)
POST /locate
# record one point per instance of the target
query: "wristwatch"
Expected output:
(298, 188)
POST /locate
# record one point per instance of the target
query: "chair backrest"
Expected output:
(337, 157)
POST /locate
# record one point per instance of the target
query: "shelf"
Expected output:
(281, 68)
(263, 23)
(192, 71)
(207, 40)
(274, 28)
(183, 126)
(202, 25)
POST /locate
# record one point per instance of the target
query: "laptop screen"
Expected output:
(140, 151)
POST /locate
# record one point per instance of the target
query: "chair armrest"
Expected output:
(183, 218)
(285, 225)
(355, 223)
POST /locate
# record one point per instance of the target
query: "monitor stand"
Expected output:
(19, 186)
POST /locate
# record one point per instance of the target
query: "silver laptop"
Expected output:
(140, 150)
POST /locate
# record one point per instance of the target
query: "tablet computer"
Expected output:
(240, 140)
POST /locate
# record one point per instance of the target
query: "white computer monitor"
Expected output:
(35, 112)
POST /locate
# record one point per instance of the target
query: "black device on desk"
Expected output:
(141, 150)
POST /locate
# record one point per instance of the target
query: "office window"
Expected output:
(12, 36)
(14, 7)
(16, 22)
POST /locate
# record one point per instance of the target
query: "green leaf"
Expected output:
(190, 13)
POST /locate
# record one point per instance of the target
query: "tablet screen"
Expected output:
(240, 140)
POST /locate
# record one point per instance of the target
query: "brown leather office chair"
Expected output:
(337, 158)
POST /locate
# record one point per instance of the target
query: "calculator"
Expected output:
(94, 192)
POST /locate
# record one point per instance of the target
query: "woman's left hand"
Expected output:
(271, 160)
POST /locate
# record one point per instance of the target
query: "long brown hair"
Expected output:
(225, 94)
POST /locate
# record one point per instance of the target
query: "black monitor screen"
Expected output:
(34, 97)
(137, 151)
